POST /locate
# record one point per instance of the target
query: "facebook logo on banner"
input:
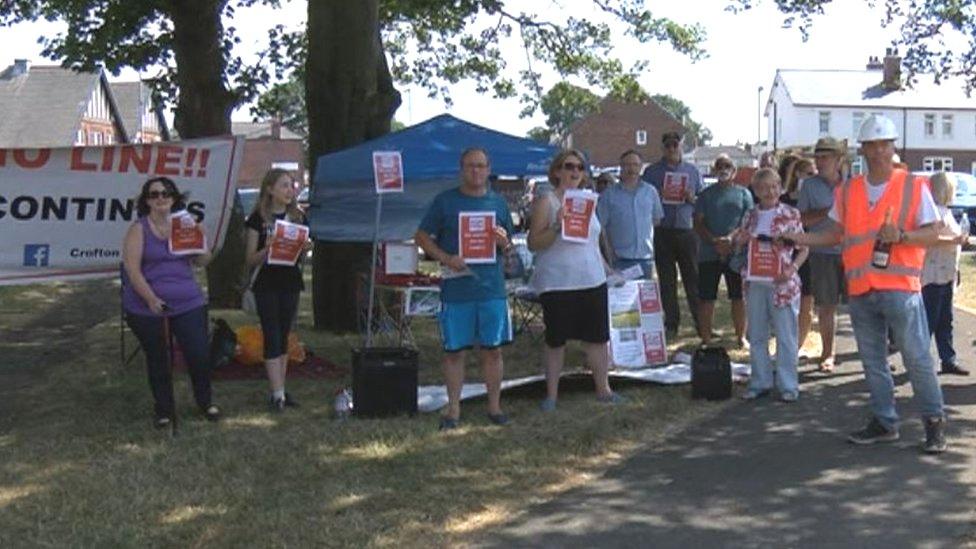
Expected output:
(36, 255)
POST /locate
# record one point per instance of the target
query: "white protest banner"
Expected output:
(578, 208)
(64, 211)
(388, 171)
(636, 325)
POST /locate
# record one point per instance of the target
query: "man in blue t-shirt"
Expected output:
(718, 213)
(474, 304)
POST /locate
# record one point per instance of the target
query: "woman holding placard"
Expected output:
(277, 279)
(570, 275)
(162, 299)
(772, 288)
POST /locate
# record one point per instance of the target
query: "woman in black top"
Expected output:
(276, 287)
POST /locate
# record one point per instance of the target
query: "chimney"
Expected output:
(891, 79)
(874, 64)
(275, 128)
(21, 66)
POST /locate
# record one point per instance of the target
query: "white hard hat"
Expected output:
(877, 128)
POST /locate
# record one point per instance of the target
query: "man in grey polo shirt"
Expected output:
(826, 269)
(628, 212)
(674, 240)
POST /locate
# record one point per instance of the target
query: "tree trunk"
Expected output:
(350, 96)
(203, 109)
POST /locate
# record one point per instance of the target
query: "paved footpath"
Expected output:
(775, 475)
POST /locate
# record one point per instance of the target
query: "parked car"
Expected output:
(247, 198)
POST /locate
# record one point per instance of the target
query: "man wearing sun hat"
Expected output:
(891, 206)
(826, 270)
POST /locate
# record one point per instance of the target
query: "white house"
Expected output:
(937, 122)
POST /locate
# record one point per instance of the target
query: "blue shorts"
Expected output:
(487, 323)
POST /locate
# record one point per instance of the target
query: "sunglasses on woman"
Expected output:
(572, 166)
(159, 194)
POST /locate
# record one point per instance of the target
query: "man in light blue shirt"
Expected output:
(628, 212)
(675, 242)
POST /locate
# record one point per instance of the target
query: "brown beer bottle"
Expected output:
(882, 250)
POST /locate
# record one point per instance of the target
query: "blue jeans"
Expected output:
(938, 311)
(646, 265)
(763, 314)
(904, 314)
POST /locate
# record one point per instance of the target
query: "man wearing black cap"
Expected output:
(677, 183)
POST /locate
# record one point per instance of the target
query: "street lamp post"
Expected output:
(759, 116)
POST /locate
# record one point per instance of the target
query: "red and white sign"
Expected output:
(578, 208)
(650, 297)
(388, 171)
(675, 188)
(185, 234)
(287, 242)
(64, 211)
(476, 237)
(763, 261)
(655, 351)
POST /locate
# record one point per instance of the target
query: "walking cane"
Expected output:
(168, 336)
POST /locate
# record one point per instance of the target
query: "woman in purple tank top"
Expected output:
(162, 300)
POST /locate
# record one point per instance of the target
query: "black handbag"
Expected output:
(711, 374)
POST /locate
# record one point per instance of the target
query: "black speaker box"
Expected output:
(711, 374)
(384, 381)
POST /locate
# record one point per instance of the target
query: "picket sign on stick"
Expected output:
(388, 178)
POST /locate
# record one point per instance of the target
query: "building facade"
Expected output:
(937, 122)
(617, 127)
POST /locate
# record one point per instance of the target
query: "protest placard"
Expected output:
(674, 188)
(185, 234)
(763, 263)
(578, 208)
(476, 237)
(287, 243)
(388, 171)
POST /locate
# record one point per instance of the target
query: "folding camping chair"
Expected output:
(526, 312)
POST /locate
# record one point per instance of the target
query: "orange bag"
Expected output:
(250, 347)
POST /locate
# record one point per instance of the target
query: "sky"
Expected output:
(744, 52)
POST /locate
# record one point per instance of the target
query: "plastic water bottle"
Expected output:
(342, 405)
(964, 224)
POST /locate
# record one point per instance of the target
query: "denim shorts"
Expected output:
(486, 323)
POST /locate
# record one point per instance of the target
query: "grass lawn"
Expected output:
(81, 466)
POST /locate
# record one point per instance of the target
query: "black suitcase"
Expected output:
(711, 374)
(384, 381)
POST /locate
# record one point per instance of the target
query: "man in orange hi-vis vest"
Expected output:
(884, 220)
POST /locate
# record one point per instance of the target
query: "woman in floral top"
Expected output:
(772, 287)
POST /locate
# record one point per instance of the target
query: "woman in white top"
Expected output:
(939, 273)
(570, 278)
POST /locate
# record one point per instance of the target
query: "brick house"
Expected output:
(936, 121)
(268, 145)
(49, 106)
(617, 127)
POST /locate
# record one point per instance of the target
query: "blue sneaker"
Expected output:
(498, 419)
(449, 423)
(753, 394)
(548, 405)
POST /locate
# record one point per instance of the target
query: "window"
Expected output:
(824, 122)
(109, 138)
(641, 137)
(947, 125)
(929, 125)
(80, 137)
(856, 120)
(937, 163)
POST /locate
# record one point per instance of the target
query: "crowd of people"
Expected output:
(822, 227)
(884, 242)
